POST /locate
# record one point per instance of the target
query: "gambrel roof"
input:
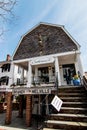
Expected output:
(45, 39)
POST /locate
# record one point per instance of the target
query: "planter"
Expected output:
(76, 82)
(1, 107)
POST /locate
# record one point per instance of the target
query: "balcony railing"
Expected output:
(46, 79)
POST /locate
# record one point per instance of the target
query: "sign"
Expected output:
(57, 103)
(5, 88)
(21, 91)
(42, 60)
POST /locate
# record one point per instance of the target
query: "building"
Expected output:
(49, 57)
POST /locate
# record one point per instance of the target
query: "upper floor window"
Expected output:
(19, 70)
(6, 67)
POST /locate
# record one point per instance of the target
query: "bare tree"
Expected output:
(6, 9)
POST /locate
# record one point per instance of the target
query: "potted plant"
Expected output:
(76, 80)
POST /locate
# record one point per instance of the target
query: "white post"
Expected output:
(57, 70)
(50, 74)
(80, 64)
(22, 75)
(29, 75)
(11, 76)
(36, 74)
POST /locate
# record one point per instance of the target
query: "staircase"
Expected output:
(73, 113)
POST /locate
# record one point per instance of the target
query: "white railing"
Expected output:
(42, 80)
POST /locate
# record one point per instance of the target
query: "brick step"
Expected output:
(72, 94)
(73, 99)
(68, 117)
(75, 104)
(67, 125)
(73, 110)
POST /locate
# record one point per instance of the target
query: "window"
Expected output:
(6, 67)
(18, 81)
(4, 80)
(19, 70)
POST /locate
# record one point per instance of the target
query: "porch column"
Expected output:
(57, 71)
(22, 76)
(20, 106)
(28, 110)
(29, 74)
(80, 64)
(11, 79)
(9, 108)
(36, 74)
(50, 73)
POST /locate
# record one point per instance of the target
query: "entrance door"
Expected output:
(40, 105)
(68, 73)
(43, 74)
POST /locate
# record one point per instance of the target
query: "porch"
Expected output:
(49, 70)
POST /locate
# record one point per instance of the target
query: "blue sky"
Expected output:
(70, 13)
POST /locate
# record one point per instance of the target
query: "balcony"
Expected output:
(43, 81)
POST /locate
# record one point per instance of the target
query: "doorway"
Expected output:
(40, 105)
(43, 73)
(68, 73)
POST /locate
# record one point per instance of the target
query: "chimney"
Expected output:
(8, 57)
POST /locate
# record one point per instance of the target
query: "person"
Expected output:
(68, 76)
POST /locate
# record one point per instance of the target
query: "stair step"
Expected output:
(66, 88)
(74, 99)
(72, 94)
(69, 117)
(68, 125)
(73, 110)
(74, 104)
(73, 113)
(70, 89)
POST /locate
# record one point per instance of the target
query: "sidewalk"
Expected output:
(17, 123)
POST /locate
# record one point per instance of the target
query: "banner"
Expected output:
(57, 103)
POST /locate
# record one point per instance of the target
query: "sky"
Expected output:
(70, 13)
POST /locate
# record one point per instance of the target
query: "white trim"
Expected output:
(17, 46)
(52, 55)
(56, 25)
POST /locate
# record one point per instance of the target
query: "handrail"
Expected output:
(85, 82)
(36, 80)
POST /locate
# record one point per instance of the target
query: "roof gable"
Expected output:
(45, 39)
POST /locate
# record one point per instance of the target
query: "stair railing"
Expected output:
(85, 82)
(56, 83)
